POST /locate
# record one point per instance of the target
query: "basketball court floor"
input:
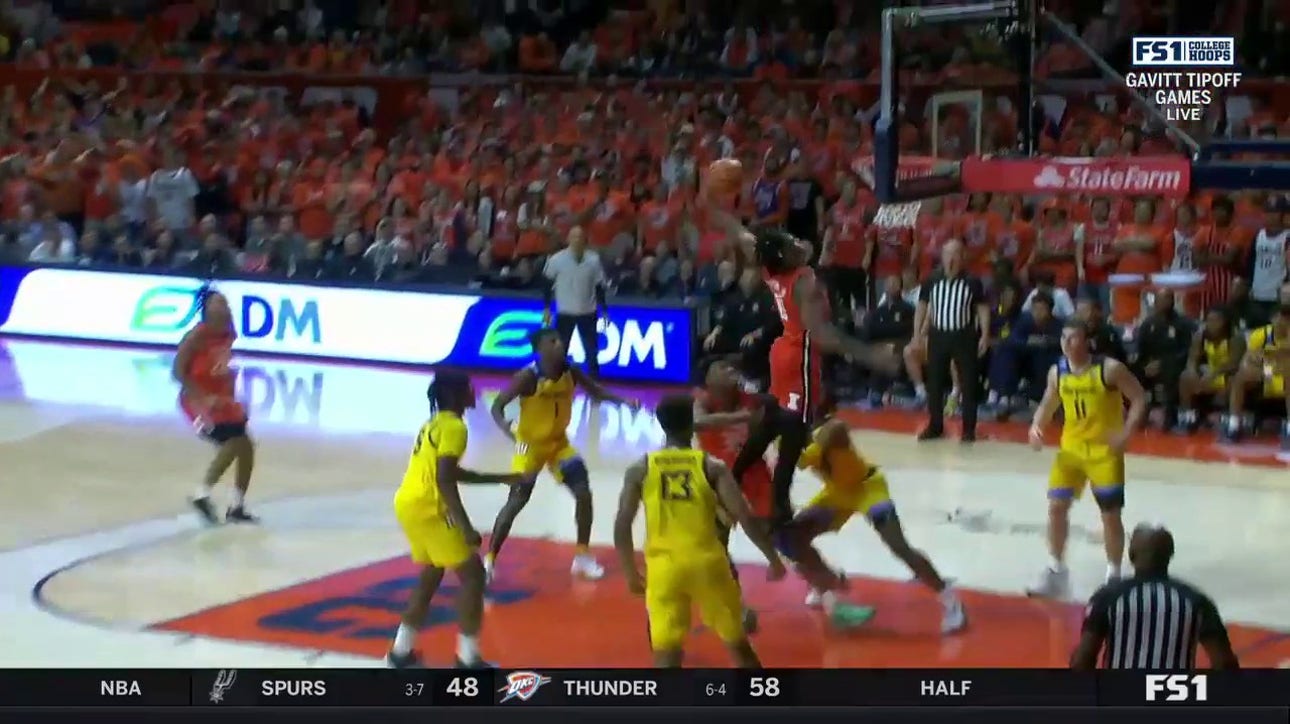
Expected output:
(102, 564)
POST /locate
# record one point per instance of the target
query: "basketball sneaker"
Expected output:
(1053, 583)
(410, 660)
(206, 510)
(238, 514)
(953, 615)
(586, 566)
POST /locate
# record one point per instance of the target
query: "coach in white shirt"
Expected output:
(576, 284)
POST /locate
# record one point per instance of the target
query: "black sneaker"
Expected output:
(931, 433)
(410, 660)
(207, 511)
(476, 665)
(238, 514)
(967, 438)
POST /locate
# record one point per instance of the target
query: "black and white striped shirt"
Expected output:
(1152, 623)
(951, 301)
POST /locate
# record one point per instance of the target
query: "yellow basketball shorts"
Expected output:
(872, 499)
(1081, 465)
(433, 540)
(675, 586)
(554, 456)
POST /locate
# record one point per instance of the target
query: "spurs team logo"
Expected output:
(223, 682)
(523, 685)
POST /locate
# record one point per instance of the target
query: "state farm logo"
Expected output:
(1130, 179)
(1049, 178)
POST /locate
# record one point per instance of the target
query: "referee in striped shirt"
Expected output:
(1152, 621)
(953, 318)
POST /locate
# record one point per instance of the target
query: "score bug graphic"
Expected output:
(522, 685)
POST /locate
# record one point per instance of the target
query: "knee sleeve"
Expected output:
(1109, 500)
(576, 477)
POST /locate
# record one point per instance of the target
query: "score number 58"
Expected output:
(763, 686)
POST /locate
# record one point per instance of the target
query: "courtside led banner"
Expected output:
(1168, 176)
(642, 344)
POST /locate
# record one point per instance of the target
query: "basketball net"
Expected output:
(897, 216)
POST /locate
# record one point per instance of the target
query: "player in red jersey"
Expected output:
(206, 397)
(796, 357)
(722, 414)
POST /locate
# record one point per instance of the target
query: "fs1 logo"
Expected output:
(508, 337)
(1167, 52)
(169, 309)
(1177, 687)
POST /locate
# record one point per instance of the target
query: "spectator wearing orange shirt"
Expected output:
(1055, 246)
(1142, 248)
(309, 201)
(932, 229)
(658, 220)
(1014, 238)
(1095, 251)
(1222, 256)
(844, 247)
(977, 227)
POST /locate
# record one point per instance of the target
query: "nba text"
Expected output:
(612, 688)
(1177, 687)
(944, 687)
(120, 687)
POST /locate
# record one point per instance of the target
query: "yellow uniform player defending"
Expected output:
(1091, 392)
(545, 391)
(853, 486)
(686, 564)
(1263, 368)
(440, 536)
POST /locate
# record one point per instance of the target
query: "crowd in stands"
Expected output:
(220, 180)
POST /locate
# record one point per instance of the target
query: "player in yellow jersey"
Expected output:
(686, 564)
(1264, 368)
(545, 391)
(428, 506)
(1215, 355)
(1091, 392)
(853, 486)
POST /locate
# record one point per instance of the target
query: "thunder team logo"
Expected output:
(523, 685)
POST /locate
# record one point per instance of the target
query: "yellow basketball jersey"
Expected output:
(545, 414)
(1263, 339)
(1218, 354)
(443, 436)
(843, 469)
(680, 504)
(1092, 410)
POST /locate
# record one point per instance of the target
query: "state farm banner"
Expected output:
(1167, 176)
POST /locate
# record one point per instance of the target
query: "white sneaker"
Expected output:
(489, 564)
(586, 567)
(814, 599)
(954, 617)
(1052, 584)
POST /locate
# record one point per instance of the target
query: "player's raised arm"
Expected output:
(1047, 408)
(522, 383)
(808, 296)
(629, 503)
(597, 391)
(733, 500)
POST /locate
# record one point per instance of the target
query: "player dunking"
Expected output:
(545, 391)
(722, 413)
(1091, 392)
(440, 535)
(853, 485)
(202, 367)
(796, 357)
(686, 564)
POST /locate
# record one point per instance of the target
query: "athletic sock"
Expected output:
(239, 497)
(203, 492)
(467, 648)
(920, 390)
(1056, 565)
(404, 640)
(581, 552)
(1113, 570)
(947, 596)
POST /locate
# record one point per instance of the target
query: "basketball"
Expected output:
(725, 176)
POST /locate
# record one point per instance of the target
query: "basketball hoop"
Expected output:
(897, 216)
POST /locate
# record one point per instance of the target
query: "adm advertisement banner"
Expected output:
(639, 344)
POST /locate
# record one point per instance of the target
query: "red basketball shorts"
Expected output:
(796, 379)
